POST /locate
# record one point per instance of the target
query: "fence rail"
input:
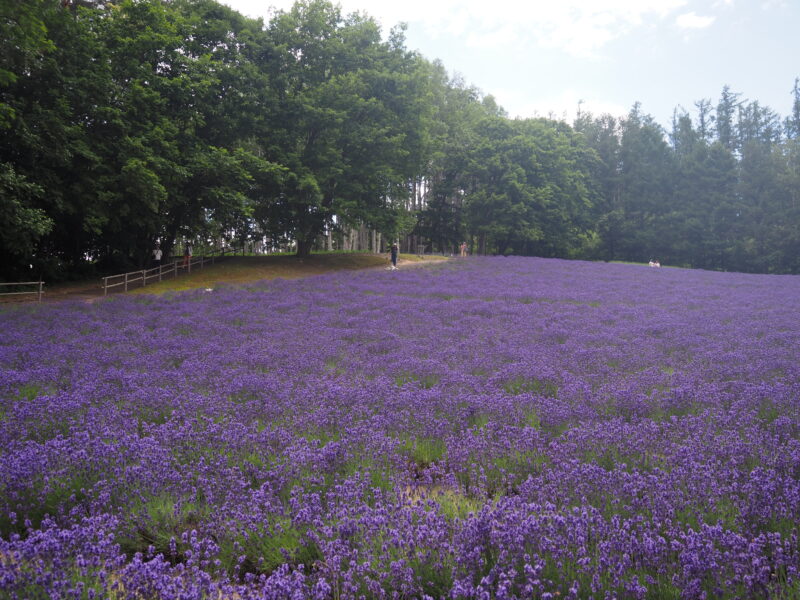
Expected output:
(145, 276)
(39, 291)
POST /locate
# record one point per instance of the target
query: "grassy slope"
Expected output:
(238, 269)
(242, 269)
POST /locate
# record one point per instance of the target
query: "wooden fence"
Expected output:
(39, 291)
(145, 276)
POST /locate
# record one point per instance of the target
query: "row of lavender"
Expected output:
(493, 427)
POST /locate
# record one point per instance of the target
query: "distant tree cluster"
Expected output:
(722, 193)
(140, 121)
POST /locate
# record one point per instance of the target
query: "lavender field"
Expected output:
(485, 428)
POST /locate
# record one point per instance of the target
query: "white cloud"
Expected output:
(561, 106)
(578, 27)
(691, 20)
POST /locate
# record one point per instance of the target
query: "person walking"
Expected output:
(187, 254)
(463, 248)
(393, 251)
(157, 255)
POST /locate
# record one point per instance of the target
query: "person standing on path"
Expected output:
(393, 252)
(187, 254)
(463, 248)
(157, 256)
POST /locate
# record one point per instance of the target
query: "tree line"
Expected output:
(147, 121)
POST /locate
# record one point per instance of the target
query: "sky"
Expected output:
(548, 57)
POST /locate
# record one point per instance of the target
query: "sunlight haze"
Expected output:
(543, 58)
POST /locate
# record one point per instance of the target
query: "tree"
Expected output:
(345, 122)
(757, 123)
(602, 136)
(705, 211)
(23, 39)
(646, 176)
(704, 120)
(56, 103)
(22, 225)
(726, 110)
(187, 97)
(792, 123)
(531, 194)
(458, 111)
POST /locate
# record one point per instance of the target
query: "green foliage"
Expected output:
(46, 498)
(530, 385)
(530, 190)
(424, 381)
(145, 120)
(424, 451)
(23, 40)
(454, 505)
(161, 522)
(29, 392)
(273, 544)
(345, 122)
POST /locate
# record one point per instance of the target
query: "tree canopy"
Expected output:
(149, 121)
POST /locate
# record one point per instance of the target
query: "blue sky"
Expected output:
(543, 57)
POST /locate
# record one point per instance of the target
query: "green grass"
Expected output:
(237, 270)
(29, 391)
(525, 385)
(424, 451)
(271, 545)
(45, 498)
(161, 519)
(244, 269)
(424, 381)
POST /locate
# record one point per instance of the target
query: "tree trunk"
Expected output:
(304, 248)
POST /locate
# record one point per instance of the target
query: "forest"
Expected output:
(170, 121)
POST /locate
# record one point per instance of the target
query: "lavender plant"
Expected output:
(492, 428)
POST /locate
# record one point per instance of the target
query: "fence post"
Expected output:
(40, 291)
(144, 277)
(105, 286)
(126, 282)
(160, 267)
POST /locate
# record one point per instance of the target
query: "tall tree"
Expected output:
(345, 120)
(60, 100)
(726, 112)
(186, 98)
(646, 176)
(705, 119)
(459, 110)
(23, 39)
(757, 123)
(531, 194)
(602, 135)
(792, 123)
